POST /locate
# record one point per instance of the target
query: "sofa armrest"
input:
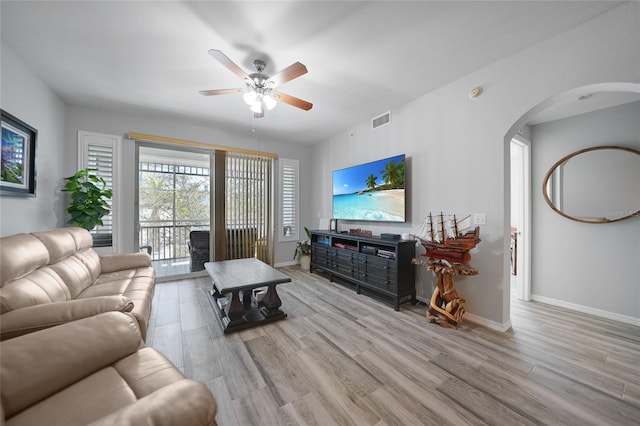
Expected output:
(33, 318)
(122, 261)
(37, 365)
(182, 403)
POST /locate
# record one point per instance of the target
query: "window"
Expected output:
(289, 200)
(173, 197)
(99, 152)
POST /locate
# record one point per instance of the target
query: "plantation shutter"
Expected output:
(289, 200)
(98, 152)
(100, 158)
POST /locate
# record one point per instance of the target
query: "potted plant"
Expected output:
(303, 251)
(89, 195)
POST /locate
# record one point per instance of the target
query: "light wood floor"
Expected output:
(345, 359)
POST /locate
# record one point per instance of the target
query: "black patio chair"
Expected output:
(198, 249)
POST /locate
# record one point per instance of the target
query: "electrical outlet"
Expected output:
(479, 219)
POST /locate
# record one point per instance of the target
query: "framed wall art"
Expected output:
(18, 167)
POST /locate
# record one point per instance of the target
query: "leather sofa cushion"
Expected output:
(71, 256)
(81, 403)
(94, 372)
(118, 262)
(110, 389)
(38, 317)
(38, 287)
(63, 242)
(105, 288)
(59, 243)
(83, 239)
(183, 403)
(21, 254)
(78, 272)
(146, 371)
(40, 364)
(27, 281)
(133, 284)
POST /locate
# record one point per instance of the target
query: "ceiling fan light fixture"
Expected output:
(269, 102)
(250, 97)
(257, 106)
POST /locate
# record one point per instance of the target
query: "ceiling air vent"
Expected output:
(381, 120)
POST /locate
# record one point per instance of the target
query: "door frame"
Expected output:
(521, 199)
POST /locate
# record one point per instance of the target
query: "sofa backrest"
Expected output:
(44, 267)
(72, 257)
(19, 255)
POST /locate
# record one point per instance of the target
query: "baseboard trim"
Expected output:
(587, 310)
(188, 275)
(423, 299)
(493, 325)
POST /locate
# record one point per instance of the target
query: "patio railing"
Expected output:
(168, 239)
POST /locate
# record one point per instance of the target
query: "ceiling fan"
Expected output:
(259, 92)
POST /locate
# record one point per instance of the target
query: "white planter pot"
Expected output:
(305, 262)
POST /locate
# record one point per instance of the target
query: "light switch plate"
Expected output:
(479, 219)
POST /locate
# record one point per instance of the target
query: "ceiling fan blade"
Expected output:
(224, 60)
(219, 92)
(287, 74)
(292, 100)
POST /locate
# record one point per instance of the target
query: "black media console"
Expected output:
(380, 265)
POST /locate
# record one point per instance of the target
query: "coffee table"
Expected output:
(233, 279)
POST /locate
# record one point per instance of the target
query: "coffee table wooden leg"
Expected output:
(214, 291)
(247, 299)
(235, 309)
(271, 303)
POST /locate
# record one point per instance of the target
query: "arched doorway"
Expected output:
(571, 103)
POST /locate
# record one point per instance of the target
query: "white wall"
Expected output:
(110, 122)
(27, 97)
(590, 267)
(457, 157)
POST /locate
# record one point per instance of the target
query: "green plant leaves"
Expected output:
(89, 195)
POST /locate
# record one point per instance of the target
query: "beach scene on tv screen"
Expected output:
(371, 191)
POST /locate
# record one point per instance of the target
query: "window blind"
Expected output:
(248, 206)
(100, 158)
(289, 199)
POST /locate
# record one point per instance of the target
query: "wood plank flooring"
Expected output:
(346, 359)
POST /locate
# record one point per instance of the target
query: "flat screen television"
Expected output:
(373, 191)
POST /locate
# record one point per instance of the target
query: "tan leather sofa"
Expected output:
(52, 277)
(94, 371)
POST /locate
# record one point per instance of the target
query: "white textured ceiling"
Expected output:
(364, 58)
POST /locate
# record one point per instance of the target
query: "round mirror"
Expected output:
(595, 185)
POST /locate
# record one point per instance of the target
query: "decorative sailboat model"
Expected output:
(447, 242)
(450, 239)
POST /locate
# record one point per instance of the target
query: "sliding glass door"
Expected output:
(196, 205)
(174, 187)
